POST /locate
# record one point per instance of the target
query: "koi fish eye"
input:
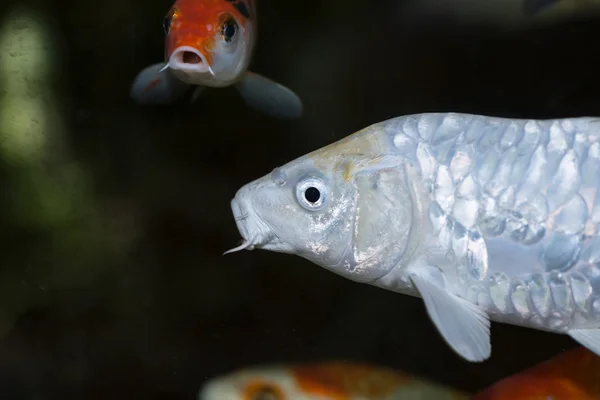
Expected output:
(229, 29)
(167, 22)
(311, 193)
(267, 393)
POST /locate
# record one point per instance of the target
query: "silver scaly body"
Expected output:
(526, 193)
(484, 218)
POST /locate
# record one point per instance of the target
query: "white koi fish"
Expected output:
(483, 218)
(209, 43)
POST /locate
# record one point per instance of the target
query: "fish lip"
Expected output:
(250, 226)
(176, 60)
(240, 214)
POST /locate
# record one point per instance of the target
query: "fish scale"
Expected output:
(531, 182)
(483, 218)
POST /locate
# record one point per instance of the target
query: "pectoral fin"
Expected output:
(463, 325)
(269, 97)
(589, 338)
(154, 86)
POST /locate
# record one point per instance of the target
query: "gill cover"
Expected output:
(383, 218)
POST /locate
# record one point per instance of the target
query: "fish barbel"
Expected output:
(483, 218)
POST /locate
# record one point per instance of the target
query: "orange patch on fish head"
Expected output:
(260, 389)
(342, 381)
(197, 24)
(348, 167)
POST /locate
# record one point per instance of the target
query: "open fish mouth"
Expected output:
(189, 59)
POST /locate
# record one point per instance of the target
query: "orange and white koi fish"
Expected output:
(573, 375)
(332, 380)
(209, 43)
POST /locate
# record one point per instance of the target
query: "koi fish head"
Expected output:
(347, 207)
(209, 42)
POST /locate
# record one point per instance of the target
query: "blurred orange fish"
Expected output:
(573, 375)
(332, 380)
(209, 43)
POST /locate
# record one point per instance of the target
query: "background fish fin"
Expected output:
(152, 87)
(533, 7)
(589, 338)
(198, 90)
(269, 97)
(464, 326)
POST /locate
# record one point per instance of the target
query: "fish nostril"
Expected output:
(189, 57)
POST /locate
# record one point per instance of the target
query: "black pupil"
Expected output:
(312, 194)
(229, 29)
(167, 23)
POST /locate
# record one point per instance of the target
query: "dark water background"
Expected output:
(112, 283)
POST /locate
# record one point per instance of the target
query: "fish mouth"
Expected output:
(251, 237)
(255, 230)
(240, 215)
(189, 59)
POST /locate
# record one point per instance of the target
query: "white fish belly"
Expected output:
(516, 204)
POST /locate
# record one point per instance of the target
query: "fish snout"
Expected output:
(240, 214)
(188, 59)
